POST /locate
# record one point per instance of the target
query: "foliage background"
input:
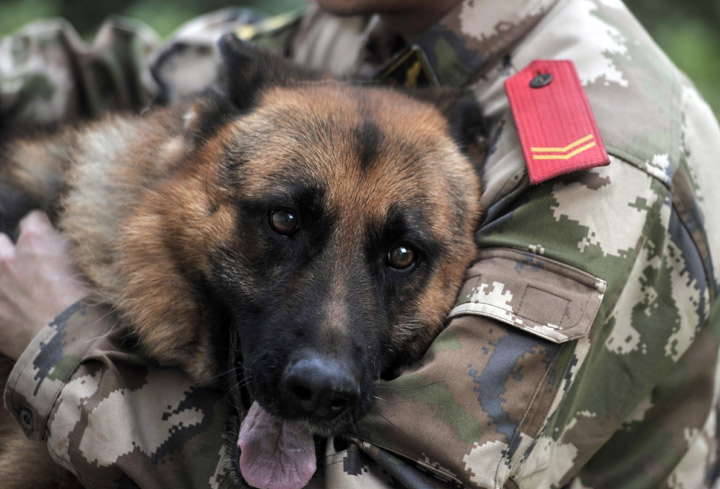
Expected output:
(688, 30)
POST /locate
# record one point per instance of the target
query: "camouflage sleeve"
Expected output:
(484, 389)
(111, 418)
(48, 74)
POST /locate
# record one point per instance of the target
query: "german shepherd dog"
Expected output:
(315, 233)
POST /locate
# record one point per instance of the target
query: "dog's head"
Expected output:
(319, 234)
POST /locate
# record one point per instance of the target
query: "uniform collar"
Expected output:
(471, 38)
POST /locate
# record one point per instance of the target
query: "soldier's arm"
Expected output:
(110, 417)
(502, 399)
(107, 415)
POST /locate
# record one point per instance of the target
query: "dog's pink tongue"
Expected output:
(275, 454)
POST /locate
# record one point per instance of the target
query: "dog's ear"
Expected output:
(464, 115)
(248, 70)
(245, 72)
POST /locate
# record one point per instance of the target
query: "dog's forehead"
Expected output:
(345, 136)
(328, 97)
(324, 110)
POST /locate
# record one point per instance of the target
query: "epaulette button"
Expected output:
(541, 80)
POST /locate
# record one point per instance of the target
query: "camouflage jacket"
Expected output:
(583, 348)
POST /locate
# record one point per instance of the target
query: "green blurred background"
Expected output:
(688, 30)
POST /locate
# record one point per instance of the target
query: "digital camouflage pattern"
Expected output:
(109, 416)
(583, 350)
(49, 74)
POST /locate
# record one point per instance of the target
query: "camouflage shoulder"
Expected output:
(646, 225)
(48, 74)
(643, 226)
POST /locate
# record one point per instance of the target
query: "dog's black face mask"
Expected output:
(354, 215)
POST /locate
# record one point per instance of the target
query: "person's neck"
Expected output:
(411, 23)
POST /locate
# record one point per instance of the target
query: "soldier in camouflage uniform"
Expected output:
(583, 348)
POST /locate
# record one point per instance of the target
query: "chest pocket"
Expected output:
(538, 295)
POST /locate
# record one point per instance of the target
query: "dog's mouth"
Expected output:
(275, 453)
(313, 396)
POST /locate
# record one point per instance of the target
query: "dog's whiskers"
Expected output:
(410, 389)
(222, 374)
(240, 384)
(378, 413)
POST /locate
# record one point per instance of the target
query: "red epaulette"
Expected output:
(556, 124)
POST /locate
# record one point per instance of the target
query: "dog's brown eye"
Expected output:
(284, 222)
(401, 257)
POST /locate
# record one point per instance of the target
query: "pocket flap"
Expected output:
(541, 296)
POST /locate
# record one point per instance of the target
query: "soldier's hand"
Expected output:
(37, 282)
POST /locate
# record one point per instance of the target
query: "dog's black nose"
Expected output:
(319, 387)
